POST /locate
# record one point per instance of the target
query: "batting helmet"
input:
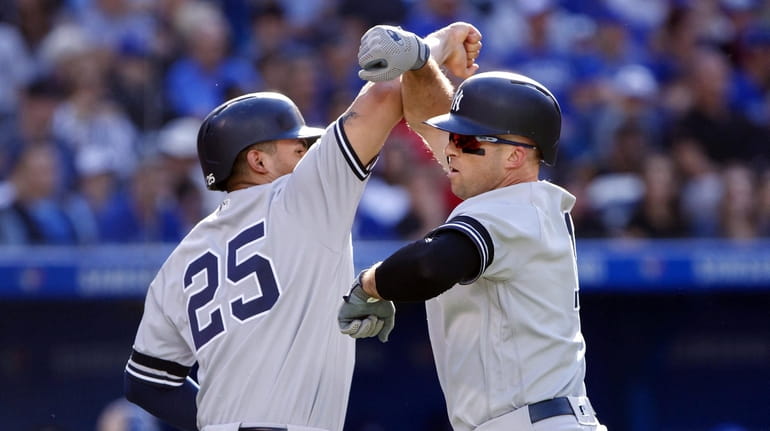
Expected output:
(242, 122)
(505, 103)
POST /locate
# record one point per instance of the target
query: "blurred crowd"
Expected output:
(666, 108)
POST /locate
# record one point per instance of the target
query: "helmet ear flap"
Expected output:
(505, 103)
(242, 122)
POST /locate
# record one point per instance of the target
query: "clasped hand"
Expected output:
(363, 316)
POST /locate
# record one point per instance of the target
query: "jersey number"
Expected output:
(241, 309)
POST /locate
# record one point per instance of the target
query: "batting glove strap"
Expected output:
(387, 51)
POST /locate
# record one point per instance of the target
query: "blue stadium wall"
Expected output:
(678, 336)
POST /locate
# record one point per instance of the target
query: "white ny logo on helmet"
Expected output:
(210, 179)
(456, 101)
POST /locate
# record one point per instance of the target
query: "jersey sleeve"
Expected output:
(160, 354)
(477, 233)
(327, 184)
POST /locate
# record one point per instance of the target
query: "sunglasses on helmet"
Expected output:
(472, 143)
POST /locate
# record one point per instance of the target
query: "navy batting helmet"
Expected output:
(505, 103)
(242, 122)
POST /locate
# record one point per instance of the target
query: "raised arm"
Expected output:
(370, 118)
(387, 53)
(427, 92)
(384, 54)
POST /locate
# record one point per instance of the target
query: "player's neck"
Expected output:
(526, 174)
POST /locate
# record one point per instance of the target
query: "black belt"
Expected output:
(550, 408)
(262, 429)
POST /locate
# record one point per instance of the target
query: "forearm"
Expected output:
(426, 93)
(423, 269)
(176, 406)
(371, 116)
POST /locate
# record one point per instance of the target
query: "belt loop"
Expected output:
(583, 410)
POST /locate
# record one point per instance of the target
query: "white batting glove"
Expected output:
(362, 316)
(387, 51)
(365, 328)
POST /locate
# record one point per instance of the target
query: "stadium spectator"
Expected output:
(701, 186)
(618, 185)
(135, 83)
(692, 76)
(98, 189)
(543, 54)
(739, 206)
(722, 133)
(672, 45)
(16, 68)
(207, 73)
(111, 23)
(176, 144)
(30, 210)
(270, 32)
(35, 19)
(147, 212)
(338, 47)
(631, 100)
(304, 81)
(658, 213)
(32, 123)
(751, 81)
(87, 117)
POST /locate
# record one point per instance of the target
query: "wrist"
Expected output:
(436, 48)
(423, 53)
(368, 282)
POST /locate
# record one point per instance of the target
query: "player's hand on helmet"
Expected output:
(363, 316)
(456, 47)
(387, 51)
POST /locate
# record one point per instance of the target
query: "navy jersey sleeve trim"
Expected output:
(571, 231)
(156, 371)
(481, 238)
(359, 169)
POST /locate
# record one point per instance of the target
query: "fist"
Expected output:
(387, 51)
(456, 47)
(361, 316)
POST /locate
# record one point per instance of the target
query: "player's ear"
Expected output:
(256, 162)
(515, 156)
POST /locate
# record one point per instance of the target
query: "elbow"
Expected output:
(432, 277)
(386, 92)
(426, 280)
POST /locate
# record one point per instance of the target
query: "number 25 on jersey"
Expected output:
(241, 309)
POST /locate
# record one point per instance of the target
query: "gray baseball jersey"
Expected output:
(511, 335)
(251, 295)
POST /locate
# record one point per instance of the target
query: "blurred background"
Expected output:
(666, 144)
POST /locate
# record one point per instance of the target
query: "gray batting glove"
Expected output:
(363, 316)
(387, 51)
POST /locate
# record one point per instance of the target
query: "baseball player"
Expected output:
(250, 295)
(499, 276)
